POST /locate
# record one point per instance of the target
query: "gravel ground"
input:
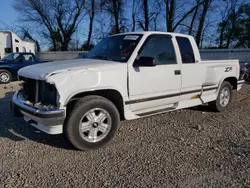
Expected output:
(187, 148)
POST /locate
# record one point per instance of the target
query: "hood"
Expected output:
(44, 70)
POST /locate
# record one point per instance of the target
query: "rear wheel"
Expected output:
(92, 123)
(5, 77)
(224, 98)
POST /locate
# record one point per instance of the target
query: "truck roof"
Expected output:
(154, 32)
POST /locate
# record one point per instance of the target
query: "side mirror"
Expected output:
(145, 61)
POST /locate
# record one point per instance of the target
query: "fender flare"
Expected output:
(72, 95)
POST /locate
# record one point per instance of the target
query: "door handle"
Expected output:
(177, 72)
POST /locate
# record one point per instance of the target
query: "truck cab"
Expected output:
(126, 76)
(175, 58)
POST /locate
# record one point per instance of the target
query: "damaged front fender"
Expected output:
(71, 82)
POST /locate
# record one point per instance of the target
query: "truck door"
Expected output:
(155, 86)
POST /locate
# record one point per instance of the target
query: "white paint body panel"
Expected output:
(77, 76)
(82, 75)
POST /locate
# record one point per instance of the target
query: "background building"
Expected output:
(10, 43)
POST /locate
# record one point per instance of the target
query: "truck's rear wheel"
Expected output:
(92, 123)
(5, 77)
(224, 98)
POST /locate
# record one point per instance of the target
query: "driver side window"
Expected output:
(161, 48)
(20, 59)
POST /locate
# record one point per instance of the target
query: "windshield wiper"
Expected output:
(102, 57)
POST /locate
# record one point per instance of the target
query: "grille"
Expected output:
(37, 91)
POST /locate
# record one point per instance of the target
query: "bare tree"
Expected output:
(171, 22)
(233, 17)
(91, 12)
(193, 18)
(135, 5)
(224, 12)
(156, 12)
(148, 17)
(102, 28)
(234, 24)
(58, 18)
(206, 6)
(27, 35)
(170, 14)
(115, 9)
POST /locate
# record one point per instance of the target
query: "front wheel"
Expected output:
(5, 77)
(92, 123)
(224, 98)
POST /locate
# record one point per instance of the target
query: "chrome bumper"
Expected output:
(241, 82)
(37, 116)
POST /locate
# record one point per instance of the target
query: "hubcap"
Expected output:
(95, 125)
(224, 97)
(4, 77)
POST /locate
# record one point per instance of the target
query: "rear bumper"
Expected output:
(240, 84)
(47, 121)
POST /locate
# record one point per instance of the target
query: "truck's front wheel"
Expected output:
(92, 123)
(224, 98)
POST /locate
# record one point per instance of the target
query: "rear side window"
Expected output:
(28, 57)
(186, 49)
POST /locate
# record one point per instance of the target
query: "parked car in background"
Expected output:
(124, 77)
(245, 71)
(10, 65)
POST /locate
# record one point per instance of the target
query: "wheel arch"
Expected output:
(6, 69)
(111, 94)
(232, 81)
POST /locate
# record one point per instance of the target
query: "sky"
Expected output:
(8, 15)
(9, 19)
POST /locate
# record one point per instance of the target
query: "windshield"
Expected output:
(11, 57)
(115, 48)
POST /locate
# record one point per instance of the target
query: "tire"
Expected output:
(5, 77)
(217, 105)
(80, 124)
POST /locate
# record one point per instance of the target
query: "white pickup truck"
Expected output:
(126, 76)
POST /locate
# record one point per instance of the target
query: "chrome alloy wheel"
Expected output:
(95, 125)
(225, 97)
(4, 77)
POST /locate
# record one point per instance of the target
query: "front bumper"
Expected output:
(50, 122)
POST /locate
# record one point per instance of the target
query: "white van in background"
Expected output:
(11, 43)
